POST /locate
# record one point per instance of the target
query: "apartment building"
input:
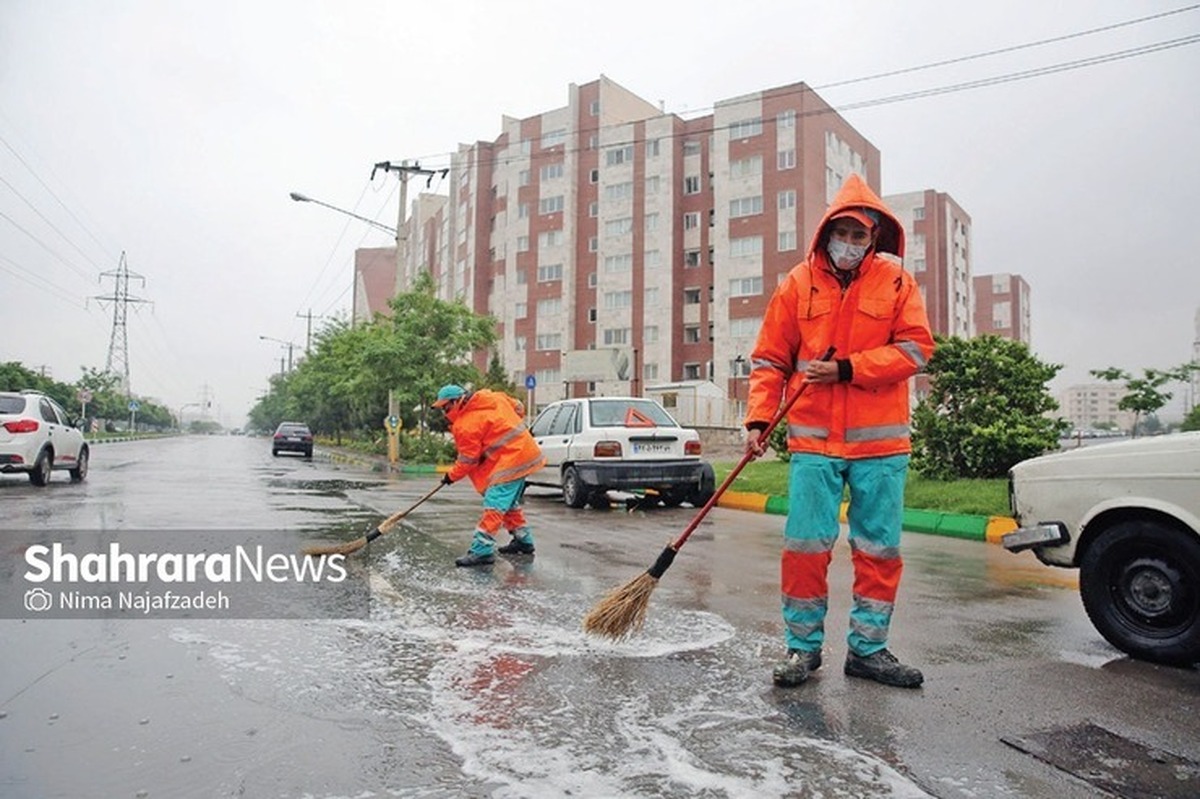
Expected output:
(938, 253)
(1002, 306)
(609, 224)
(1094, 406)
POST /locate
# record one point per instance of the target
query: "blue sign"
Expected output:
(133, 405)
(530, 382)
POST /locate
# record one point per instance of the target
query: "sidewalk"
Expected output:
(954, 525)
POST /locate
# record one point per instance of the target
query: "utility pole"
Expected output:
(405, 169)
(118, 344)
(307, 331)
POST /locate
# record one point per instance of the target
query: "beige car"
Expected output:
(1127, 515)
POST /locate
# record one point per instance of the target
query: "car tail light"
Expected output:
(22, 426)
(279, 436)
(607, 449)
(691, 448)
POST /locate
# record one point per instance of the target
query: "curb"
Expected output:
(955, 525)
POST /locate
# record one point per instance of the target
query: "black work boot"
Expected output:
(883, 667)
(796, 668)
(475, 559)
(516, 547)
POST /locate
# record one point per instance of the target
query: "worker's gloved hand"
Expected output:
(446, 479)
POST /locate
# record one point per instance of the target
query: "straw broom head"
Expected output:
(623, 610)
(336, 549)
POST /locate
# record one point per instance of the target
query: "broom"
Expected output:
(383, 527)
(623, 610)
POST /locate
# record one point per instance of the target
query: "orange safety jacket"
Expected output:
(493, 441)
(878, 322)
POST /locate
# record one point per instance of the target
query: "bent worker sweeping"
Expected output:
(497, 452)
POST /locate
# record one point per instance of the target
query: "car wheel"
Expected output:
(275, 453)
(708, 487)
(1140, 583)
(308, 453)
(42, 468)
(79, 473)
(575, 491)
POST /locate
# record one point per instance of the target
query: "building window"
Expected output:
(691, 147)
(619, 191)
(746, 286)
(523, 211)
(787, 240)
(650, 297)
(523, 177)
(746, 246)
(616, 300)
(594, 108)
(691, 184)
(549, 341)
(550, 238)
(745, 128)
(519, 343)
(691, 296)
(617, 335)
(650, 334)
(549, 307)
(521, 277)
(787, 199)
(652, 184)
(691, 371)
(691, 259)
(522, 244)
(691, 220)
(594, 176)
(521, 310)
(918, 214)
(591, 280)
(651, 222)
(746, 328)
(918, 265)
(551, 171)
(593, 209)
(746, 167)
(691, 334)
(615, 264)
(785, 119)
(745, 206)
(652, 148)
(651, 259)
(550, 205)
(592, 315)
(549, 272)
(553, 138)
(619, 155)
(593, 244)
(618, 227)
(786, 159)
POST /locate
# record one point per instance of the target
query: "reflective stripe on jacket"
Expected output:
(493, 442)
(878, 322)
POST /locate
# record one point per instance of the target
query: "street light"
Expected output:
(288, 344)
(301, 198)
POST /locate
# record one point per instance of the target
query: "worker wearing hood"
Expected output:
(847, 328)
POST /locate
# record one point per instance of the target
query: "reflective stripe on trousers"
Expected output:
(815, 489)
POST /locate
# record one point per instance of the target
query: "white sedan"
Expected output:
(597, 444)
(37, 438)
(1127, 515)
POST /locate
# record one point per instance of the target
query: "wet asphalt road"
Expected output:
(481, 683)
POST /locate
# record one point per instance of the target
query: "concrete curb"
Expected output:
(955, 525)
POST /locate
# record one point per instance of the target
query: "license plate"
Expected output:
(651, 449)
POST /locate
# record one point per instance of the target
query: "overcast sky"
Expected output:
(174, 131)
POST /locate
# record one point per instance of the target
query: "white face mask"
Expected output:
(845, 256)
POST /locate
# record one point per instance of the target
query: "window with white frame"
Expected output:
(919, 213)
(785, 159)
(616, 300)
(652, 184)
(591, 315)
(652, 148)
(520, 310)
(691, 334)
(617, 335)
(524, 177)
(522, 244)
(652, 259)
(550, 205)
(650, 334)
(746, 246)
(591, 280)
(619, 191)
(787, 240)
(593, 209)
(549, 306)
(787, 199)
(520, 343)
(745, 328)
(746, 167)
(746, 286)
(593, 244)
(549, 341)
(691, 371)
(691, 184)
(549, 272)
(691, 220)
(651, 222)
(550, 238)
(551, 171)
(650, 297)
(618, 227)
(594, 176)
(691, 296)
(521, 279)
(619, 155)
(614, 264)
(650, 372)
(745, 206)
(691, 147)
(785, 119)
(744, 128)
(548, 377)
(691, 259)
(553, 138)
(526, 146)
(594, 108)
(523, 211)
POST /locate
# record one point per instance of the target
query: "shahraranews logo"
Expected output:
(141, 574)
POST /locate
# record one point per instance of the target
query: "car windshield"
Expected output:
(12, 404)
(293, 429)
(629, 413)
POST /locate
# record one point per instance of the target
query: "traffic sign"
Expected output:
(530, 382)
(133, 405)
(85, 395)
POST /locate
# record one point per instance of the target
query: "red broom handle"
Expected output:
(746, 458)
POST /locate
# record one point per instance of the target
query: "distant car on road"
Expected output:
(36, 437)
(1127, 515)
(594, 445)
(292, 437)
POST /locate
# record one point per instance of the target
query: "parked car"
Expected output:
(597, 444)
(36, 437)
(292, 437)
(1127, 515)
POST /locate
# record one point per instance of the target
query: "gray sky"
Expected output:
(174, 131)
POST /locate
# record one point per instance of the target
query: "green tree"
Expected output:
(1192, 420)
(1144, 395)
(987, 409)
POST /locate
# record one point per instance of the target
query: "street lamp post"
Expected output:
(737, 378)
(301, 198)
(289, 344)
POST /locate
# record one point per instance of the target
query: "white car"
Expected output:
(597, 444)
(1127, 515)
(36, 438)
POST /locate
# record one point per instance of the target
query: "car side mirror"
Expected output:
(81, 424)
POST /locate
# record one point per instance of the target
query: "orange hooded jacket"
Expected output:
(494, 445)
(878, 322)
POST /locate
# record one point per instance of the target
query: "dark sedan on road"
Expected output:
(292, 437)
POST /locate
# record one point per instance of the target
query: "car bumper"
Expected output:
(644, 474)
(292, 446)
(1035, 536)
